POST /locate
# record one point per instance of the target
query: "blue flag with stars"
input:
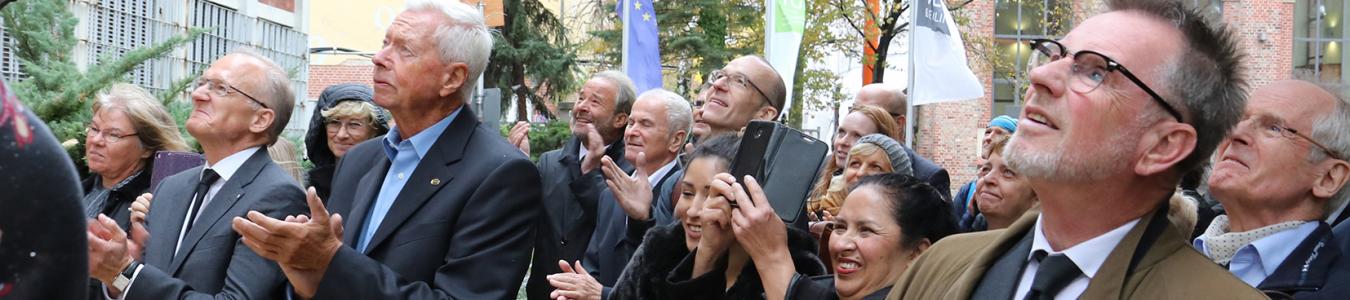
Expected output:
(642, 50)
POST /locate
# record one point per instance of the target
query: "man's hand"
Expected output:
(141, 208)
(303, 247)
(595, 149)
(574, 283)
(634, 193)
(520, 137)
(107, 250)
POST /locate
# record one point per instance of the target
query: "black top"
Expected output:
(822, 287)
(119, 198)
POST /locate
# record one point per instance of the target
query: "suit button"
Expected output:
(562, 242)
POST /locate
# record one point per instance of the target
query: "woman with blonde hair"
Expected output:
(862, 120)
(346, 115)
(128, 127)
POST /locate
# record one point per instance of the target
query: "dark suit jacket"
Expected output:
(1306, 272)
(569, 211)
(617, 236)
(460, 228)
(931, 173)
(1152, 261)
(212, 262)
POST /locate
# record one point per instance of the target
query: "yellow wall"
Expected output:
(354, 24)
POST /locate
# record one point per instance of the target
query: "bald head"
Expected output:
(886, 96)
(733, 103)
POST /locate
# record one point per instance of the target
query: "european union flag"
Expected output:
(641, 49)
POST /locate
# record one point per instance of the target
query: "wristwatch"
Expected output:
(120, 283)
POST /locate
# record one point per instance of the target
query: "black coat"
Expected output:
(821, 287)
(119, 200)
(569, 215)
(662, 265)
(931, 173)
(43, 251)
(1317, 269)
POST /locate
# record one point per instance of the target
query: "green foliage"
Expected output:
(531, 58)
(55, 89)
(544, 137)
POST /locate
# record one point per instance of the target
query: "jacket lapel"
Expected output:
(166, 217)
(222, 202)
(432, 173)
(969, 280)
(366, 191)
(1149, 242)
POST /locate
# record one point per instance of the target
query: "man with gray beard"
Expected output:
(1109, 128)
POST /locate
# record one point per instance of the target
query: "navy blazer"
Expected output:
(617, 236)
(212, 262)
(461, 227)
(1315, 270)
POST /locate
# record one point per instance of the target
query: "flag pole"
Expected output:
(627, 6)
(909, 109)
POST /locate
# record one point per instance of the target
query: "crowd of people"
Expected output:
(409, 197)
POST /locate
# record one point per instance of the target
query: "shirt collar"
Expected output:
(226, 167)
(1088, 255)
(422, 141)
(1271, 250)
(656, 176)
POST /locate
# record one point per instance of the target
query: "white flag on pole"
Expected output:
(785, 22)
(940, 71)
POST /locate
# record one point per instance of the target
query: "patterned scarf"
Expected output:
(1222, 245)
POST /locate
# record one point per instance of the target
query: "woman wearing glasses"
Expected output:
(346, 115)
(128, 127)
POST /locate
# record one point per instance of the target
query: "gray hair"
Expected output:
(155, 128)
(678, 113)
(1207, 77)
(626, 93)
(465, 38)
(1330, 130)
(277, 92)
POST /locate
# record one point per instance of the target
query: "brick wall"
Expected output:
(322, 76)
(1266, 29)
(288, 5)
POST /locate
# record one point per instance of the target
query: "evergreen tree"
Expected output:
(531, 58)
(55, 88)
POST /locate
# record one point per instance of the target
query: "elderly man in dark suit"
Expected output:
(1278, 175)
(1104, 147)
(242, 103)
(894, 101)
(441, 207)
(573, 181)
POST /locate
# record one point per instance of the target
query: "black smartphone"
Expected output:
(785, 162)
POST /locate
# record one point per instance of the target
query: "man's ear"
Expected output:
(1332, 179)
(620, 121)
(453, 78)
(1164, 148)
(676, 141)
(262, 121)
(767, 112)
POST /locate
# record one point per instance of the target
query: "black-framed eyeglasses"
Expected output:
(1090, 69)
(740, 81)
(222, 89)
(1272, 127)
(111, 138)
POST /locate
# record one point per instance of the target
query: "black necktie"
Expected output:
(1054, 273)
(208, 177)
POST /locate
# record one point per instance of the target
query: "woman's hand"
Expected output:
(764, 236)
(716, 215)
(574, 283)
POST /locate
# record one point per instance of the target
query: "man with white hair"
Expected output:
(442, 207)
(656, 133)
(1279, 174)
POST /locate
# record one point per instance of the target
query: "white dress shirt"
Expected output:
(1088, 256)
(1256, 261)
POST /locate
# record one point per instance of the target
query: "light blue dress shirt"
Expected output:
(404, 156)
(1257, 260)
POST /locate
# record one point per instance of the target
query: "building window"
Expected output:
(1015, 23)
(1319, 34)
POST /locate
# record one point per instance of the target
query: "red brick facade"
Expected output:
(322, 76)
(949, 133)
(287, 5)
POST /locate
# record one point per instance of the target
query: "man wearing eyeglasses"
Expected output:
(1279, 174)
(746, 89)
(1110, 125)
(240, 105)
(894, 101)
